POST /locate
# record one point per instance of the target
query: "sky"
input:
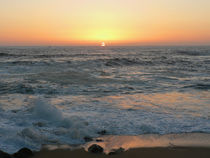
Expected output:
(115, 22)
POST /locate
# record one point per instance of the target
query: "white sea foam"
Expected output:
(41, 123)
(46, 111)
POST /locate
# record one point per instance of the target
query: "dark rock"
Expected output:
(23, 153)
(4, 155)
(39, 124)
(95, 149)
(88, 139)
(103, 132)
(14, 111)
(116, 151)
(99, 140)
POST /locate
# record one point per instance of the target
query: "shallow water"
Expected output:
(59, 95)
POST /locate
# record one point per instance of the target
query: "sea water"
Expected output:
(59, 95)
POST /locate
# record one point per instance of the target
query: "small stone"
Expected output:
(39, 124)
(95, 149)
(103, 132)
(99, 140)
(14, 111)
(116, 151)
(88, 139)
(23, 153)
(4, 155)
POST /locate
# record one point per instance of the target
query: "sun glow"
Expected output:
(103, 44)
(123, 22)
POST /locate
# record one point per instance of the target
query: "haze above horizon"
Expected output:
(91, 22)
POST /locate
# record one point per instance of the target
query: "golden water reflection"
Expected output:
(166, 102)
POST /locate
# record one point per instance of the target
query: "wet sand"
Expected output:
(175, 152)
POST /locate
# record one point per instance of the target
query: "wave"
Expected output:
(153, 61)
(29, 63)
(7, 55)
(42, 123)
(26, 88)
(193, 52)
(199, 86)
(125, 62)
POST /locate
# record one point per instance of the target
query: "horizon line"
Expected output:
(129, 45)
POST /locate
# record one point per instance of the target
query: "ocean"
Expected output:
(61, 95)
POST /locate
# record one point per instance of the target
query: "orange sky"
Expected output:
(116, 22)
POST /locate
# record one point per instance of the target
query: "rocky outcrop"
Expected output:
(116, 151)
(88, 139)
(95, 149)
(4, 155)
(23, 153)
(103, 132)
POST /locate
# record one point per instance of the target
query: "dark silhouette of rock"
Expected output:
(99, 140)
(4, 155)
(39, 124)
(103, 132)
(23, 153)
(95, 149)
(116, 151)
(88, 139)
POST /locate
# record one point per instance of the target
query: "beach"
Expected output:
(148, 146)
(182, 152)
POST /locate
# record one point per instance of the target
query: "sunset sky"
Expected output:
(115, 22)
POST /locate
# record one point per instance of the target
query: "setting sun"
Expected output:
(103, 44)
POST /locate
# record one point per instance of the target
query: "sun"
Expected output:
(103, 44)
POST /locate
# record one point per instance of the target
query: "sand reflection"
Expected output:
(152, 140)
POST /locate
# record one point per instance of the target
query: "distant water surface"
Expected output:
(59, 95)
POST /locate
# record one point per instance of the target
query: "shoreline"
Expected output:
(163, 152)
(184, 145)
